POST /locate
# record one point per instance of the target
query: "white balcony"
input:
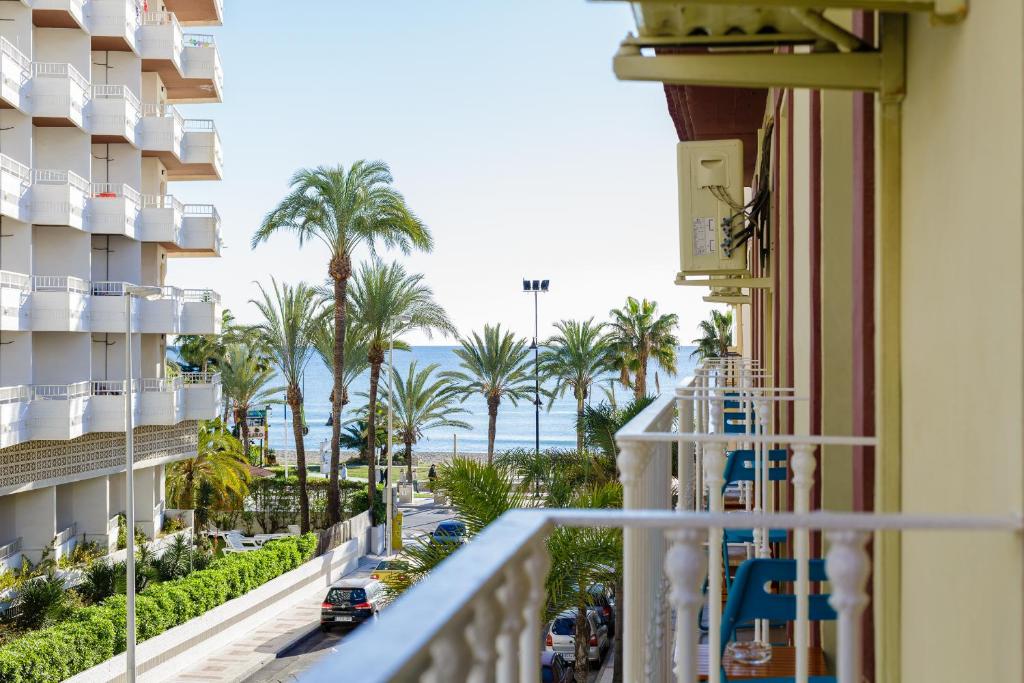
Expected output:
(161, 220)
(59, 304)
(163, 315)
(161, 134)
(114, 209)
(197, 12)
(200, 233)
(106, 308)
(114, 25)
(65, 541)
(10, 556)
(203, 79)
(160, 44)
(59, 14)
(15, 74)
(106, 406)
(59, 198)
(115, 114)
(202, 395)
(60, 95)
(201, 312)
(202, 157)
(58, 411)
(15, 301)
(14, 414)
(161, 401)
(15, 178)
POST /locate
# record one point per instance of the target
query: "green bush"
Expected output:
(97, 633)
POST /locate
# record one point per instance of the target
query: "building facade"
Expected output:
(92, 143)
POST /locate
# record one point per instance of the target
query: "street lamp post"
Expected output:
(388, 527)
(536, 287)
(141, 292)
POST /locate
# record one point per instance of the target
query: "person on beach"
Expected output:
(432, 475)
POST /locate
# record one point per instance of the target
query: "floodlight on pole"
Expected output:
(536, 287)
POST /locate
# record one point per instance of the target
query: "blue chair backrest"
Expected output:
(740, 465)
(748, 599)
(734, 422)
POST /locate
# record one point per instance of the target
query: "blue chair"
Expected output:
(736, 427)
(748, 601)
(740, 467)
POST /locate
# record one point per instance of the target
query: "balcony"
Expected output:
(14, 414)
(163, 315)
(161, 401)
(161, 43)
(10, 556)
(202, 395)
(200, 233)
(65, 541)
(59, 14)
(162, 133)
(15, 73)
(116, 112)
(161, 220)
(15, 178)
(202, 158)
(114, 24)
(203, 77)
(106, 406)
(106, 308)
(60, 95)
(201, 312)
(197, 12)
(59, 198)
(58, 411)
(15, 301)
(59, 304)
(114, 209)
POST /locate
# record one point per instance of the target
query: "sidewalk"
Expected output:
(238, 660)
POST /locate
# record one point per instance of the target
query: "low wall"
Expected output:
(159, 658)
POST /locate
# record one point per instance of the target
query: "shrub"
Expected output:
(41, 602)
(99, 582)
(94, 634)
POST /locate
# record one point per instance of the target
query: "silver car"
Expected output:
(561, 636)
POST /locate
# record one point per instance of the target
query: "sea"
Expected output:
(515, 426)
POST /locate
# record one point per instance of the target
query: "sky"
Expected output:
(504, 128)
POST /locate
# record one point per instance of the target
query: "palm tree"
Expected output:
(495, 365)
(423, 401)
(343, 210)
(289, 316)
(715, 336)
(244, 376)
(355, 351)
(387, 302)
(639, 333)
(576, 358)
(219, 465)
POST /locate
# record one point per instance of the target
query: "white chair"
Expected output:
(294, 529)
(263, 538)
(235, 542)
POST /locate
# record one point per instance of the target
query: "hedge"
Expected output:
(95, 634)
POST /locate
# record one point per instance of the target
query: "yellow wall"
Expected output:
(801, 261)
(962, 368)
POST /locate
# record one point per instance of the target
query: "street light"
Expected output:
(388, 526)
(140, 292)
(536, 287)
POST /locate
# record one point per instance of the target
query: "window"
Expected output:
(337, 596)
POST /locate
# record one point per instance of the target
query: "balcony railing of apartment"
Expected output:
(206, 126)
(44, 176)
(176, 42)
(163, 111)
(10, 549)
(115, 17)
(202, 211)
(77, 99)
(16, 169)
(112, 524)
(133, 108)
(60, 392)
(59, 283)
(116, 190)
(164, 201)
(206, 296)
(158, 384)
(207, 40)
(65, 535)
(108, 288)
(105, 387)
(14, 280)
(15, 67)
(200, 378)
(19, 393)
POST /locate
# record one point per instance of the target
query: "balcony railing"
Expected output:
(200, 378)
(20, 393)
(163, 111)
(115, 190)
(59, 283)
(163, 201)
(61, 70)
(10, 549)
(200, 296)
(14, 280)
(103, 387)
(15, 168)
(158, 384)
(44, 176)
(60, 392)
(202, 211)
(15, 67)
(112, 524)
(66, 535)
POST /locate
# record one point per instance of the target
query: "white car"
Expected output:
(561, 637)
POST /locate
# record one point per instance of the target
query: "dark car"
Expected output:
(351, 602)
(554, 669)
(450, 531)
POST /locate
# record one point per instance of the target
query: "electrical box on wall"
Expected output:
(710, 207)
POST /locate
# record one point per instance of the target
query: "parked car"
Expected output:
(561, 637)
(450, 531)
(350, 602)
(554, 669)
(602, 599)
(388, 569)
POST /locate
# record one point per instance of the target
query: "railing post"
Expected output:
(511, 597)
(536, 569)
(714, 466)
(449, 655)
(632, 461)
(848, 566)
(684, 565)
(484, 631)
(803, 466)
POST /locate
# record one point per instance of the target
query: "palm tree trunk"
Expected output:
(640, 386)
(339, 269)
(408, 459)
(295, 402)
(617, 665)
(582, 640)
(492, 426)
(579, 424)
(371, 434)
(243, 427)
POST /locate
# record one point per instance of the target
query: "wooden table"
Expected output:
(783, 663)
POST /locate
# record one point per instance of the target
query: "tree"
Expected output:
(244, 375)
(203, 350)
(638, 333)
(219, 466)
(387, 302)
(356, 362)
(289, 317)
(576, 358)
(423, 401)
(343, 210)
(496, 366)
(715, 336)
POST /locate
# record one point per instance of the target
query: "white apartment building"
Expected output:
(91, 145)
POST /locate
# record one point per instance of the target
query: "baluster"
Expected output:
(698, 460)
(684, 565)
(848, 566)
(449, 655)
(714, 466)
(536, 571)
(511, 596)
(632, 461)
(803, 465)
(684, 451)
(484, 630)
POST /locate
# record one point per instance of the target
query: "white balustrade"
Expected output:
(19, 393)
(60, 392)
(14, 280)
